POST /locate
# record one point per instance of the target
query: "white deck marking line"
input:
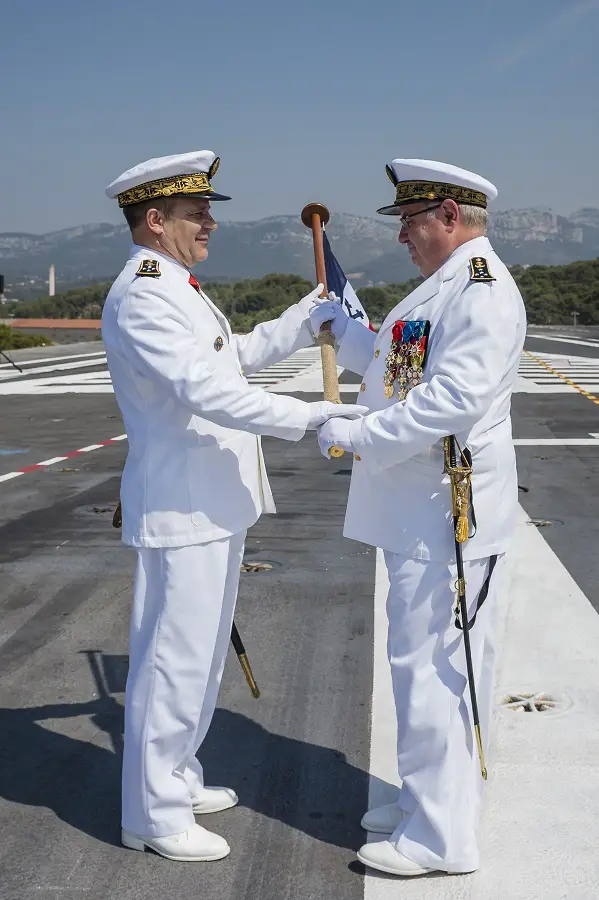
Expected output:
(40, 370)
(98, 381)
(47, 359)
(568, 381)
(517, 833)
(557, 442)
(384, 780)
(55, 459)
(561, 340)
(10, 475)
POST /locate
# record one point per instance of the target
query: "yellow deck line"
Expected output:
(573, 384)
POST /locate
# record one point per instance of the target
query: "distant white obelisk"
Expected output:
(52, 281)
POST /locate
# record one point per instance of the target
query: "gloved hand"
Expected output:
(323, 410)
(331, 311)
(335, 433)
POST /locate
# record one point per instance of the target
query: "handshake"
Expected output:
(334, 422)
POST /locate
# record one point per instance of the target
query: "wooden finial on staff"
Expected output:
(314, 216)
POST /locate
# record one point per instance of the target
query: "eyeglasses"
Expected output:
(406, 220)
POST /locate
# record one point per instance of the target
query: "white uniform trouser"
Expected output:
(437, 753)
(183, 604)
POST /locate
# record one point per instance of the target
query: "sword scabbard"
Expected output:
(460, 480)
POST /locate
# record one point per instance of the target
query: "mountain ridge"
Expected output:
(366, 248)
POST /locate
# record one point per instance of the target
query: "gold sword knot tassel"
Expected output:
(459, 479)
(463, 493)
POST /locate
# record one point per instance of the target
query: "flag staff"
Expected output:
(315, 216)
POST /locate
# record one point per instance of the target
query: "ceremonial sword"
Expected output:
(117, 521)
(460, 479)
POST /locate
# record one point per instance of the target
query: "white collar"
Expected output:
(138, 250)
(478, 246)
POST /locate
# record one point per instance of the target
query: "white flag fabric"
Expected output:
(339, 285)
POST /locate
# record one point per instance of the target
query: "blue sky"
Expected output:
(302, 101)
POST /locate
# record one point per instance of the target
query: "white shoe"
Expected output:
(213, 800)
(383, 856)
(195, 845)
(383, 819)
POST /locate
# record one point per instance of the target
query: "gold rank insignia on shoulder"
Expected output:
(218, 344)
(479, 269)
(149, 267)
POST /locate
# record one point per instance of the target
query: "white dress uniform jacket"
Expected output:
(194, 471)
(399, 498)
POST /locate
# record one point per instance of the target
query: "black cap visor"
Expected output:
(394, 209)
(207, 195)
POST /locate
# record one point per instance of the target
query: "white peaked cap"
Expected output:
(418, 180)
(168, 176)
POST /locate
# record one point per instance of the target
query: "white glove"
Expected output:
(323, 410)
(331, 311)
(335, 433)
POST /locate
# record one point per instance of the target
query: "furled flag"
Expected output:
(338, 284)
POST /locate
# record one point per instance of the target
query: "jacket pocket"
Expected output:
(218, 492)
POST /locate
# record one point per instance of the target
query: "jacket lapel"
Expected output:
(222, 319)
(419, 295)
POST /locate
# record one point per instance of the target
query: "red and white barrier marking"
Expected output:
(57, 459)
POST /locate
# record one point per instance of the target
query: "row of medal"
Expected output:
(405, 367)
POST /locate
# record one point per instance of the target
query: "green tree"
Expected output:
(12, 339)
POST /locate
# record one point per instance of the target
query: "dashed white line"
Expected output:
(55, 459)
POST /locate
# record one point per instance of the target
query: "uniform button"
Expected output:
(357, 457)
(362, 387)
(377, 353)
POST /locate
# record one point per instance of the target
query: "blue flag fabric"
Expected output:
(339, 285)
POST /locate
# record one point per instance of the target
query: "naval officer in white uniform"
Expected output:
(194, 481)
(444, 362)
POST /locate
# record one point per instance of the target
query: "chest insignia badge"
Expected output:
(149, 267)
(479, 269)
(218, 344)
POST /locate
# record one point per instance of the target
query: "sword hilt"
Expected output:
(459, 479)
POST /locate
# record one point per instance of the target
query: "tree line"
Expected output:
(551, 294)
(13, 339)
